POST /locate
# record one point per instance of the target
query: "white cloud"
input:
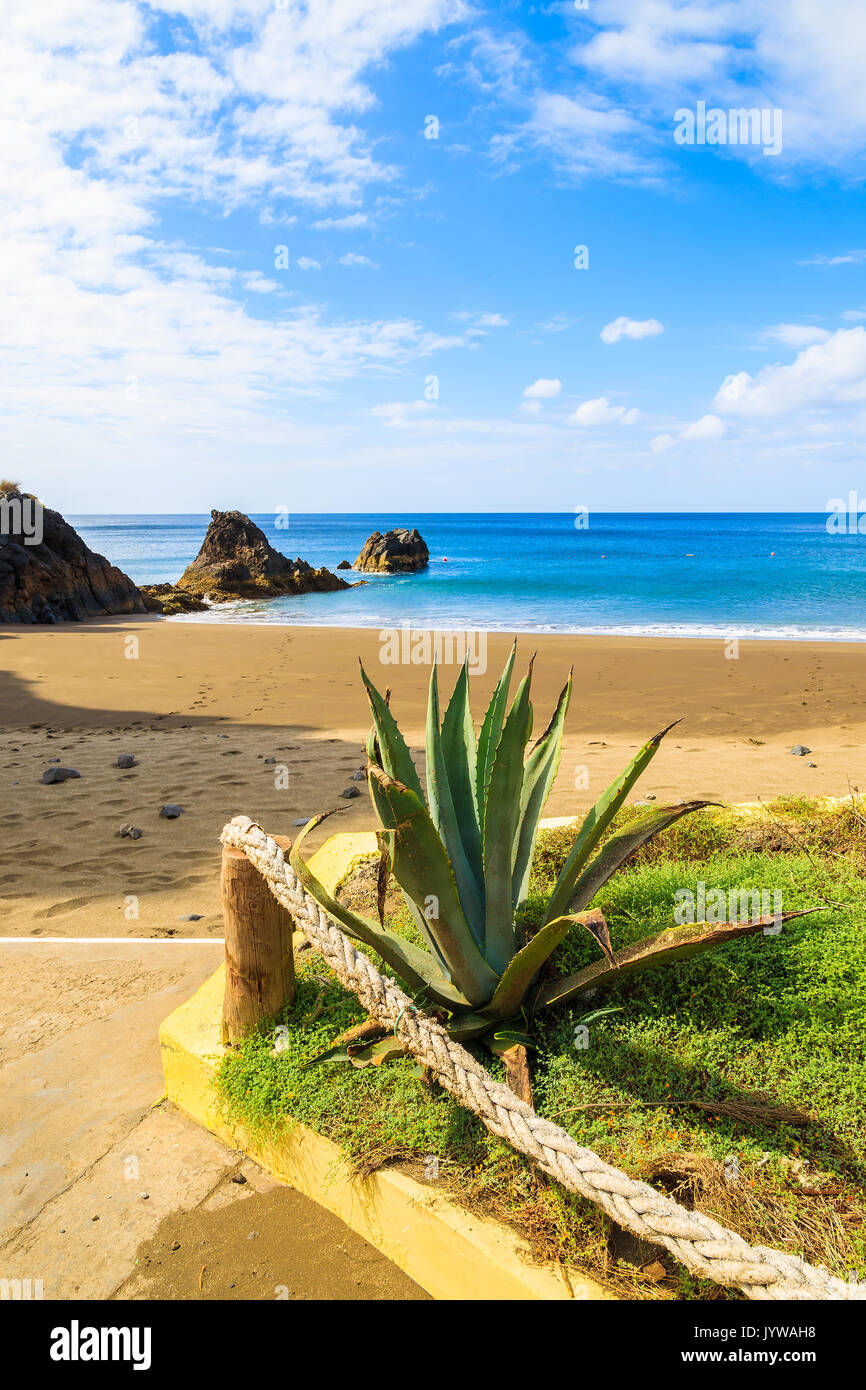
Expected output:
(558, 324)
(600, 412)
(849, 258)
(342, 224)
(796, 335)
(259, 284)
(587, 137)
(635, 62)
(803, 58)
(708, 427)
(307, 263)
(630, 328)
(480, 323)
(352, 258)
(403, 414)
(827, 373)
(544, 389)
(661, 443)
(110, 329)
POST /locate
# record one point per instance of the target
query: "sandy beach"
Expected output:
(203, 706)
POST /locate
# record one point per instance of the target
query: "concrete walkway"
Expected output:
(106, 1191)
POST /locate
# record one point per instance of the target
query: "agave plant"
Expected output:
(462, 856)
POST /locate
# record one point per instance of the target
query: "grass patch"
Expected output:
(767, 1028)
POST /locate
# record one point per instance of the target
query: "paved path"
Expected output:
(107, 1192)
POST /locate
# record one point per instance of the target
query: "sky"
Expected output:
(433, 255)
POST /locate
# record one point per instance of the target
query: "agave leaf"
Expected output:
(467, 1027)
(622, 845)
(444, 817)
(676, 943)
(461, 761)
(373, 1055)
(507, 1038)
(379, 1052)
(412, 963)
(539, 774)
(595, 824)
(382, 869)
(385, 838)
(593, 922)
(595, 1014)
(523, 968)
(491, 731)
(393, 751)
(501, 820)
(421, 866)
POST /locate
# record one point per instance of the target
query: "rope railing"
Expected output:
(703, 1245)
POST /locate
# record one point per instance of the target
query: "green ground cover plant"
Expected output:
(735, 1080)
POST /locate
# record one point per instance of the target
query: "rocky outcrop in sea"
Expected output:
(48, 574)
(236, 561)
(400, 551)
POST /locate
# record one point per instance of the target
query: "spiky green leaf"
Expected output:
(593, 922)
(539, 775)
(490, 733)
(461, 761)
(621, 846)
(371, 1055)
(413, 964)
(501, 821)
(596, 823)
(674, 944)
(393, 750)
(422, 867)
(444, 816)
(506, 1038)
(523, 968)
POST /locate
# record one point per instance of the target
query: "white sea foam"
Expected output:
(244, 612)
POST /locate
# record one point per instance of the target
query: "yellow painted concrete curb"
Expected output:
(449, 1252)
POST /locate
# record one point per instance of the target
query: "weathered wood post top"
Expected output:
(260, 969)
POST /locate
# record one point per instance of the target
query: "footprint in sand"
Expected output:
(59, 908)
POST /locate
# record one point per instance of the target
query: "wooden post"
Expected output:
(260, 967)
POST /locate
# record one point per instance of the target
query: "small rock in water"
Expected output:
(305, 820)
(58, 774)
(191, 917)
(650, 796)
(811, 764)
(126, 760)
(800, 750)
(360, 775)
(170, 811)
(52, 760)
(270, 760)
(349, 792)
(239, 1179)
(130, 832)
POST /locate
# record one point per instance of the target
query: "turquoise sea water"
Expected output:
(772, 575)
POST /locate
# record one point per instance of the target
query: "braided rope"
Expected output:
(704, 1246)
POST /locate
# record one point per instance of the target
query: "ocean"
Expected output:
(778, 575)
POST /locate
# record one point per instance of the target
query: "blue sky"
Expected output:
(429, 344)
